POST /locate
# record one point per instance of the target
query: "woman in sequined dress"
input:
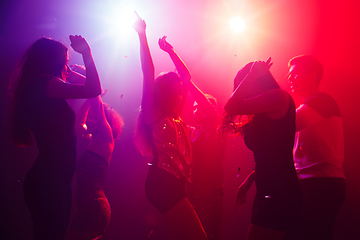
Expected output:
(162, 134)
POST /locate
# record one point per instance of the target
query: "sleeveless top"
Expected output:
(272, 142)
(52, 123)
(172, 146)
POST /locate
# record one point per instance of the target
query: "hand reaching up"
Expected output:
(139, 25)
(260, 68)
(79, 44)
(164, 45)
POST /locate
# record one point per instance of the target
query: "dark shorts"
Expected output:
(322, 199)
(163, 190)
(279, 211)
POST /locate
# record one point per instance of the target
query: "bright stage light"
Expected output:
(237, 24)
(122, 20)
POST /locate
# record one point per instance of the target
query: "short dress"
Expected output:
(94, 209)
(278, 199)
(170, 168)
(47, 185)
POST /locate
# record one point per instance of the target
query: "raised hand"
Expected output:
(139, 24)
(260, 68)
(164, 45)
(79, 44)
(79, 69)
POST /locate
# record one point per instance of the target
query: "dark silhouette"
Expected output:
(39, 109)
(318, 150)
(206, 189)
(98, 126)
(269, 131)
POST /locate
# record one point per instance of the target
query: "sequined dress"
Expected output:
(172, 146)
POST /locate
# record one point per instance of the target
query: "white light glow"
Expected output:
(122, 20)
(237, 24)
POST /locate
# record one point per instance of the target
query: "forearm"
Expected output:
(251, 178)
(75, 78)
(180, 66)
(97, 109)
(239, 94)
(147, 64)
(92, 78)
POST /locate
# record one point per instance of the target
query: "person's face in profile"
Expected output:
(299, 79)
(65, 70)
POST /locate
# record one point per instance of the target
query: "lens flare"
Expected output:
(237, 24)
(122, 20)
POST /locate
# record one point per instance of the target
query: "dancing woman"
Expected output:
(163, 134)
(269, 131)
(39, 109)
(98, 126)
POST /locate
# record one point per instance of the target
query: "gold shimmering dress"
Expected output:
(172, 146)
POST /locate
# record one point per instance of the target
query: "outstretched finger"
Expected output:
(137, 15)
(269, 66)
(268, 60)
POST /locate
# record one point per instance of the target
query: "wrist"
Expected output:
(142, 33)
(86, 53)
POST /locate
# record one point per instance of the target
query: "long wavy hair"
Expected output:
(45, 57)
(164, 100)
(114, 119)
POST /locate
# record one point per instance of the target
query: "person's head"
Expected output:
(113, 118)
(168, 91)
(261, 84)
(198, 113)
(305, 74)
(45, 57)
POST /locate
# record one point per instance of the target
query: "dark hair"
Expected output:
(309, 63)
(162, 94)
(265, 83)
(162, 90)
(114, 119)
(45, 57)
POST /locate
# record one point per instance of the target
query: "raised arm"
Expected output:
(148, 108)
(271, 101)
(76, 74)
(91, 88)
(180, 66)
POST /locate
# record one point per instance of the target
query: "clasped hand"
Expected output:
(260, 68)
(79, 44)
(164, 45)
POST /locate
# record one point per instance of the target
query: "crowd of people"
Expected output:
(298, 152)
